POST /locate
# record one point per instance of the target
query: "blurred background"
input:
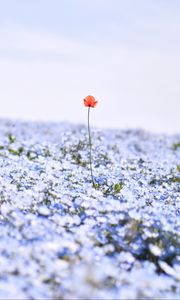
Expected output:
(126, 53)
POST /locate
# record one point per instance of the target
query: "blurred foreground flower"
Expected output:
(89, 102)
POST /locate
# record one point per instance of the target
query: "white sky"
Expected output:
(125, 53)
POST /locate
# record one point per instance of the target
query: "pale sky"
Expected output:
(126, 53)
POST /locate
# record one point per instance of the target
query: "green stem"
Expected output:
(90, 148)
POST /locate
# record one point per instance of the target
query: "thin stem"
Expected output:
(90, 148)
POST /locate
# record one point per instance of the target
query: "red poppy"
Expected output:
(90, 101)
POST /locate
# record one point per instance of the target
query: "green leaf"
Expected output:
(118, 187)
(16, 152)
(11, 138)
(176, 146)
(178, 168)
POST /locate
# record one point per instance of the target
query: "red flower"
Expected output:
(90, 101)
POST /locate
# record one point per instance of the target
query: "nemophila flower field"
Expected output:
(61, 238)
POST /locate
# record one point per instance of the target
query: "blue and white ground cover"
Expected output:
(61, 238)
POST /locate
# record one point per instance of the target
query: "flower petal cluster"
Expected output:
(90, 101)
